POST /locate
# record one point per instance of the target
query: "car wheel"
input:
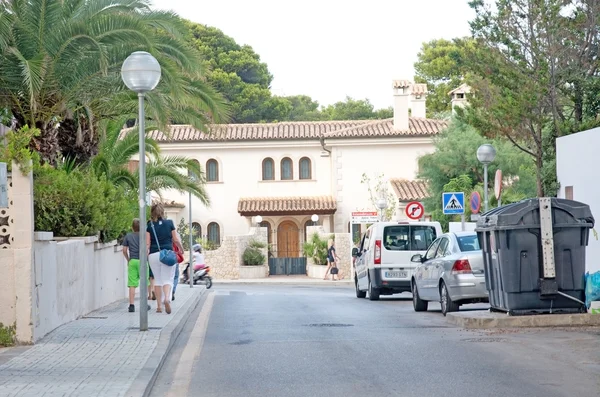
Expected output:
(373, 292)
(359, 293)
(418, 304)
(446, 302)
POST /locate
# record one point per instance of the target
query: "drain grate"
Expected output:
(94, 318)
(483, 340)
(330, 325)
(149, 328)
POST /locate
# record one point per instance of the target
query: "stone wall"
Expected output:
(343, 248)
(225, 261)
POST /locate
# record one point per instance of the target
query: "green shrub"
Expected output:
(7, 335)
(76, 203)
(316, 249)
(253, 255)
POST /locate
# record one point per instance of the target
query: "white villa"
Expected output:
(287, 172)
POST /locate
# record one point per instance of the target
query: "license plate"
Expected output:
(398, 274)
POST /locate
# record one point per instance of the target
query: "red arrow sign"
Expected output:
(414, 210)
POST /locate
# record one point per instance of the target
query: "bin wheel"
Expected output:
(373, 292)
(418, 304)
(446, 302)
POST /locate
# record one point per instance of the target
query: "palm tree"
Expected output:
(60, 70)
(116, 149)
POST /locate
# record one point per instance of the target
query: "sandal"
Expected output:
(168, 307)
(159, 310)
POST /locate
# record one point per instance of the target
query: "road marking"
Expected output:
(183, 374)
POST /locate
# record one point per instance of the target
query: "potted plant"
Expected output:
(254, 261)
(316, 249)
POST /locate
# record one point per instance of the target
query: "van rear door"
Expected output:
(400, 242)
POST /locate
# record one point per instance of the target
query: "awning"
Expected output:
(409, 190)
(320, 205)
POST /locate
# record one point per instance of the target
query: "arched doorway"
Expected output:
(288, 240)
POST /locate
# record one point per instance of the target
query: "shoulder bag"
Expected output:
(168, 257)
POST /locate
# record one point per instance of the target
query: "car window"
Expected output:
(432, 250)
(408, 237)
(468, 243)
(442, 248)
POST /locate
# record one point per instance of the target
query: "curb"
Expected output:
(291, 282)
(144, 381)
(488, 320)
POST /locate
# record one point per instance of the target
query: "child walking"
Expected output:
(131, 252)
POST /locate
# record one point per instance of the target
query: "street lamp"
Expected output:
(314, 219)
(382, 205)
(141, 73)
(485, 154)
(258, 219)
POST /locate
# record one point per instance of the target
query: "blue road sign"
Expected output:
(453, 203)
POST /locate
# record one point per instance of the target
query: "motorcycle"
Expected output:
(200, 275)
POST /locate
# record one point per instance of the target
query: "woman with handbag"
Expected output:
(332, 258)
(161, 235)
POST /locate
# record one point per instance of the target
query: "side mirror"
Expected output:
(417, 258)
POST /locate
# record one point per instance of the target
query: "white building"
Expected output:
(286, 172)
(576, 171)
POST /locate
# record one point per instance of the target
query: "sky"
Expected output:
(330, 49)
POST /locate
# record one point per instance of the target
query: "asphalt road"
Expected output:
(278, 340)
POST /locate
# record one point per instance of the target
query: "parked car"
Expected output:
(451, 272)
(383, 265)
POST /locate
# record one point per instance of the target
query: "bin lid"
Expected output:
(526, 213)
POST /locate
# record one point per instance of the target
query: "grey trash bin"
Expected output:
(511, 238)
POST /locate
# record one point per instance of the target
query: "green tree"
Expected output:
(455, 160)
(529, 73)
(350, 109)
(60, 70)
(441, 65)
(162, 172)
(378, 189)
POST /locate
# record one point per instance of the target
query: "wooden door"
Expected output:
(288, 240)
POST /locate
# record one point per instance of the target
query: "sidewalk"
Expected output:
(102, 354)
(294, 279)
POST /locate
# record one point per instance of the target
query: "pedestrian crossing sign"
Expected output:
(453, 203)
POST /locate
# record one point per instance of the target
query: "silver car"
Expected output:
(451, 272)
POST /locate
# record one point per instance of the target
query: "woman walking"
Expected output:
(331, 259)
(161, 234)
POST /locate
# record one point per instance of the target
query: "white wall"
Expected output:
(339, 175)
(73, 278)
(577, 166)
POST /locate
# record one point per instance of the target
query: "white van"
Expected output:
(382, 265)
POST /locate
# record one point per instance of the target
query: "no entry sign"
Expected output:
(415, 210)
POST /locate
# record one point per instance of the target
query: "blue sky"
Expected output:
(329, 49)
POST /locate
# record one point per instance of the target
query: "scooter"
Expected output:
(200, 275)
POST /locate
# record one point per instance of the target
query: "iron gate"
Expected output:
(285, 257)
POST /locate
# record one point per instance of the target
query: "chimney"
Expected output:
(418, 99)
(401, 93)
(459, 96)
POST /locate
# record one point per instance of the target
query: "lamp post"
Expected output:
(485, 154)
(314, 219)
(141, 73)
(258, 220)
(382, 205)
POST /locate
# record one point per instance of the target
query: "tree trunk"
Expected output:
(77, 142)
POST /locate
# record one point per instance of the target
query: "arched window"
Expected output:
(287, 169)
(196, 232)
(305, 168)
(214, 233)
(192, 174)
(212, 171)
(268, 169)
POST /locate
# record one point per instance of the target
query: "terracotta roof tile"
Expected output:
(419, 89)
(385, 128)
(402, 83)
(409, 190)
(170, 203)
(320, 205)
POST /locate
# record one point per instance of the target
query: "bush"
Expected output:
(7, 335)
(253, 255)
(75, 203)
(316, 249)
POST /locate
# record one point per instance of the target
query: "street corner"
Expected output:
(493, 320)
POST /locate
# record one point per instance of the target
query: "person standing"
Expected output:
(131, 252)
(332, 258)
(161, 234)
